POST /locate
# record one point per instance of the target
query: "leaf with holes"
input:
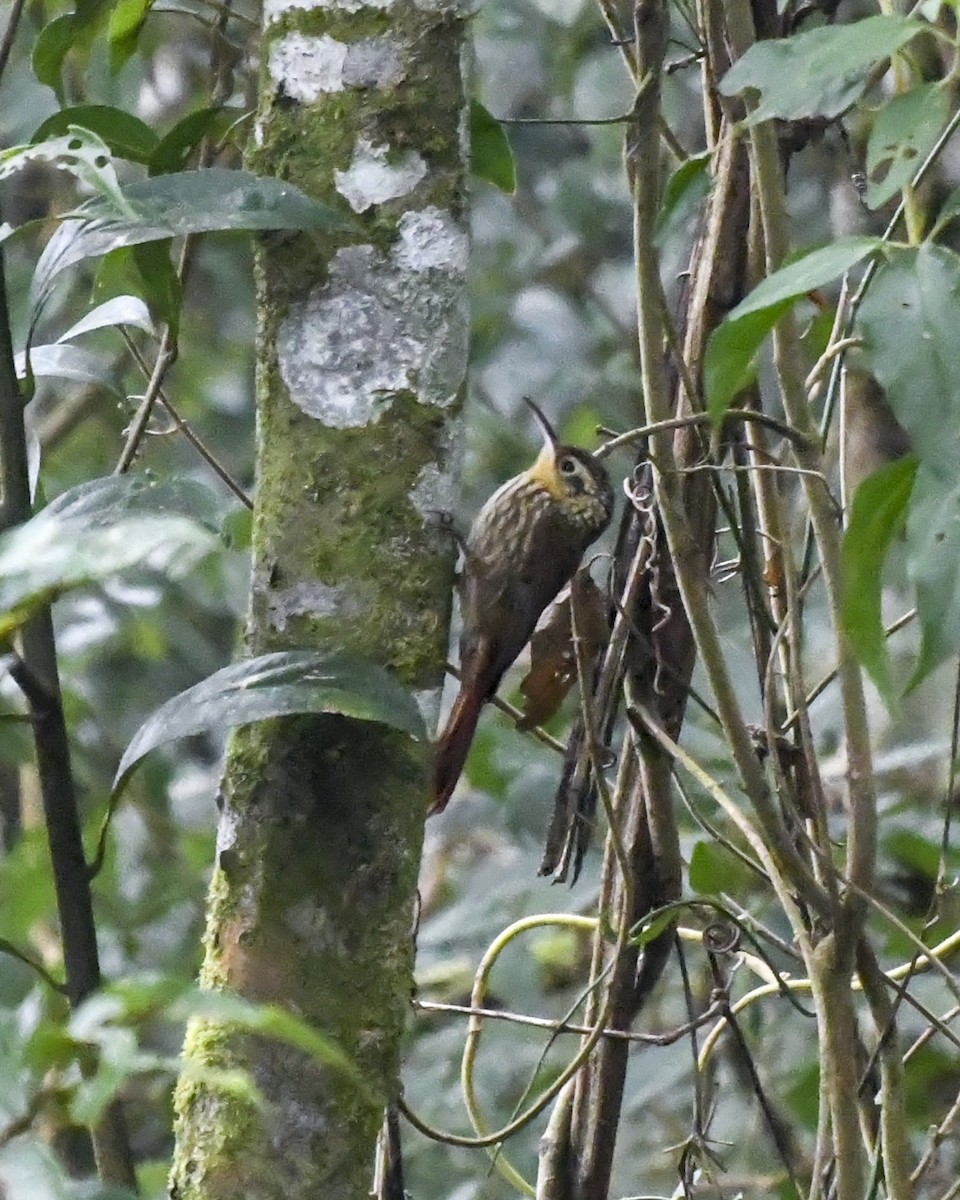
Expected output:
(902, 136)
(81, 153)
(125, 135)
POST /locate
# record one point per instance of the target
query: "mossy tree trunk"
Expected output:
(361, 354)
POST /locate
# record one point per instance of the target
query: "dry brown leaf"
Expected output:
(553, 663)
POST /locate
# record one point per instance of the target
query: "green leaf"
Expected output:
(172, 206)
(120, 311)
(123, 29)
(277, 685)
(174, 149)
(215, 199)
(902, 136)
(732, 345)
(126, 135)
(820, 73)
(268, 1020)
(54, 41)
(949, 212)
(100, 503)
(80, 152)
(651, 927)
(490, 155)
(110, 1011)
(26, 886)
(908, 322)
(729, 363)
(877, 517)
(147, 270)
(89, 534)
(806, 273)
(933, 549)
(914, 851)
(161, 283)
(690, 182)
(69, 362)
(713, 869)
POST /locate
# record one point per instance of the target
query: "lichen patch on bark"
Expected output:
(372, 331)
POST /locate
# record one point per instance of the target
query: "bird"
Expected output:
(524, 546)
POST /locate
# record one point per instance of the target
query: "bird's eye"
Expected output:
(568, 466)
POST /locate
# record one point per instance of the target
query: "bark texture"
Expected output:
(361, 359)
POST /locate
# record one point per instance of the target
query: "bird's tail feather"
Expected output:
(453, 746)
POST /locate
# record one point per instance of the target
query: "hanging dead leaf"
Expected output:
(553, 663)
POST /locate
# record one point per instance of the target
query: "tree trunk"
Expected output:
(361, 353)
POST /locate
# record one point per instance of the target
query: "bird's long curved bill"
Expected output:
(549, 433)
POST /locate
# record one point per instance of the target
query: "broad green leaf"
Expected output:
(175, 147)
(490, 155)
(40, 561)
(126, 135)
(690, 182)
(89, 534)
(100, 503)
(215, 199)
(908, 322)
(277, 685)
(713, 869)
(820, 73)
(26, 886)
(913, 850)
(902, 136)
(123, 29)
(162, 288)
(268, 1020)
(54, 41)
(877, 517)
(68, 362)
(732, 345)
(121, 310)
(806, 273)
(146, 270)
(933, 549)
(171, 206)
(729, 363)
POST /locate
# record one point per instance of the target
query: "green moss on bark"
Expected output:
(311, 901)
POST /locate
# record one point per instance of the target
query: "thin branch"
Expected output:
(38, 666)
(644, 432)
(7, 947)
(10, 33)
(558, 1027)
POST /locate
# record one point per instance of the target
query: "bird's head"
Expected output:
(574, 477)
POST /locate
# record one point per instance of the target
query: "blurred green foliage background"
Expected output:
(553, 319)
